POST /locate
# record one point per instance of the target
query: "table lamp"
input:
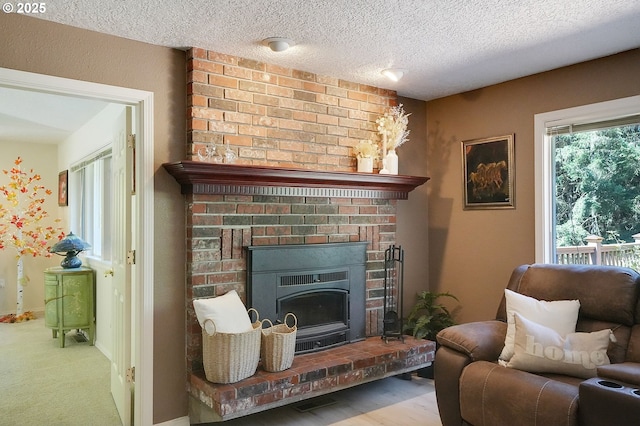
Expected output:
(69, 247)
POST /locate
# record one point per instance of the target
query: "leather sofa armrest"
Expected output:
(481, 340)
(604, 402)
(627, 372)
(460, 345)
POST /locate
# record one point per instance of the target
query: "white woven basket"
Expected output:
(231, 357)
(278, 345)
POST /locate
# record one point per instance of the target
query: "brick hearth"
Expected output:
(310, 375)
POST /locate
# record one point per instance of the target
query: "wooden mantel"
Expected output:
(197, 177)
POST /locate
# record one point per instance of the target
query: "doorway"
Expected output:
(142, 294)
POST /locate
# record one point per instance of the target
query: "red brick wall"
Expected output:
(274, 116)
(278, 116)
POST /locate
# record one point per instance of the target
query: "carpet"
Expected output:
(43, 384)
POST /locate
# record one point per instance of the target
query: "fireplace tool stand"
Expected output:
(393, 280)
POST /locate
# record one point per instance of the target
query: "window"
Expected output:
(552, 127)
(597, 181)
(92, 212)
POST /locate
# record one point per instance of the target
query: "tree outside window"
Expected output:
(597, 185)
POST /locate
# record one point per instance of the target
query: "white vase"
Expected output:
(365, 165)
(391, 162)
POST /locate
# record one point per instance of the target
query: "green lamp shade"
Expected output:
(69, 247)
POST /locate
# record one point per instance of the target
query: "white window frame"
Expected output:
(544, 165)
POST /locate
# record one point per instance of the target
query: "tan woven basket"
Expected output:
(231, 357)
(278, 345)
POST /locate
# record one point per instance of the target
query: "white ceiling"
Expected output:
(444, 46)
(37, 117)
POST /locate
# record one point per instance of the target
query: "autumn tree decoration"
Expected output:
(22, 218)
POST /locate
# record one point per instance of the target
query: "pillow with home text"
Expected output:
(559, 315)
(539, 349)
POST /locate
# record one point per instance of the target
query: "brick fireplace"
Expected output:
(222, 221)
(221, 225)
(275, 117)
(292, 182)
(285, 206)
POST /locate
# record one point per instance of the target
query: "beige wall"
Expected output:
(38, 46)
(472, 253)
(411, 227)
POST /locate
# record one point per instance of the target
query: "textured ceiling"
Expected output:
(445, 46)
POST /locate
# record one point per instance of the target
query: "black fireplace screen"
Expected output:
(316, 308)
(322, 284)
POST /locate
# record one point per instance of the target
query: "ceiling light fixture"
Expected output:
(278, 44)
(394, 74)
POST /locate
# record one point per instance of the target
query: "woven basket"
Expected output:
(231, 357)
(278, 345)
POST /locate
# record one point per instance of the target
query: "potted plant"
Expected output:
(427, 318)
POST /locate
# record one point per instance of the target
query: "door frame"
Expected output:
(142, 303)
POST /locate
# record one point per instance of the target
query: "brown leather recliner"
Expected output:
(473, 389)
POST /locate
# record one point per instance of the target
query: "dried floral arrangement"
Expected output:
(392, 126)
(366, 149)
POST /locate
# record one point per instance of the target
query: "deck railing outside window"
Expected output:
(596, 253)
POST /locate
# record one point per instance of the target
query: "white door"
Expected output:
(121, 361)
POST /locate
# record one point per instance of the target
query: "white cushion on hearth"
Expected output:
(228, 313)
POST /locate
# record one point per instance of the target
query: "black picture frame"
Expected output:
(489, 173)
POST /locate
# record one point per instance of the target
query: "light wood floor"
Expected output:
(387, 402)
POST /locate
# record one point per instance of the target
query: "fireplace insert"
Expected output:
(323, 285)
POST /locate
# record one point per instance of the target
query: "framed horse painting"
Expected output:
(488, 173)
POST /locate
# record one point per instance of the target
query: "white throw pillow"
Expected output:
(227, 312)
(559, 315)
(539, 349)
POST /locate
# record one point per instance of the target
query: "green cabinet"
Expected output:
(69, 301)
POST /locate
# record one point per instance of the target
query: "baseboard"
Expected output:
(103, 349)
(180, 421)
